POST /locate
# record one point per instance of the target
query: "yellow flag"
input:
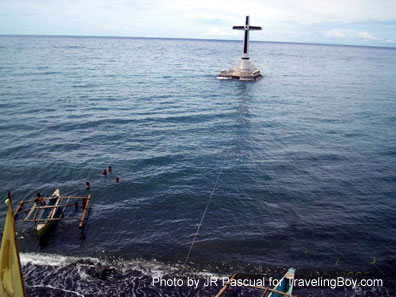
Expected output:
(11, 281)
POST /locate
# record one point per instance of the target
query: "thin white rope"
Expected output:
(203, 216)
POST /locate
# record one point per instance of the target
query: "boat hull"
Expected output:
(285, 284)
(42, 229)
(49, 214)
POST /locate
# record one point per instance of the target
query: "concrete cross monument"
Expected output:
(243, 70)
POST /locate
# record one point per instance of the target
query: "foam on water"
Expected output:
(51, 259)
(50, 274)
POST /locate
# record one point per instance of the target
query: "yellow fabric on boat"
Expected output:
(11, 281)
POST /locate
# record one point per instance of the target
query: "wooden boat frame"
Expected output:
(34, 210)
(267, 290)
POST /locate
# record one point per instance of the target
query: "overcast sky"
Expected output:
(360, 22)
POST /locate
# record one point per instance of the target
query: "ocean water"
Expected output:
(305, 160)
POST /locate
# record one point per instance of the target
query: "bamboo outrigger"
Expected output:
(45, 211)
(283, 289)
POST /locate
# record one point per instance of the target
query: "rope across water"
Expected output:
(203, 216)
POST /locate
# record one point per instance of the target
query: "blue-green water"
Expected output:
(308, 152)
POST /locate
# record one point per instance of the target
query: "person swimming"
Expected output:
(87, 186)
(110, 169)
(105, 172)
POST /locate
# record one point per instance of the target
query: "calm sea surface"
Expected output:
(307, 158)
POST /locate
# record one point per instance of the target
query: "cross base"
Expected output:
(244, 70)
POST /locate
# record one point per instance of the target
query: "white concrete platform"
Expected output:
(237, 72)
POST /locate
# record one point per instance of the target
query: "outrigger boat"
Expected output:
(283, 289)
(48, 213)
(45, 211)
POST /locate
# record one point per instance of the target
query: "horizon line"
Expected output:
(197, 39)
